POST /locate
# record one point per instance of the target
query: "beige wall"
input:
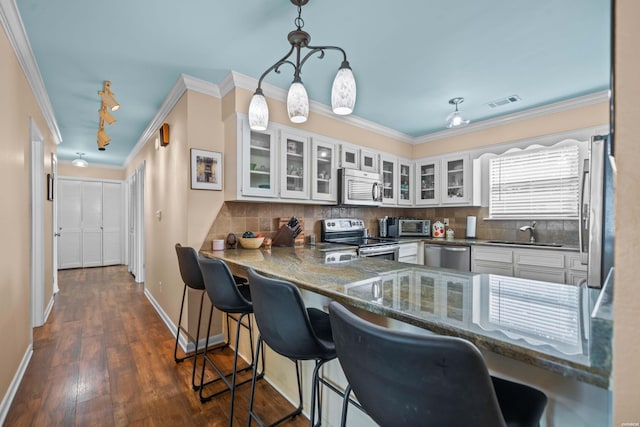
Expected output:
(580, 118)
(94, 172)
(626, 343)
(17, 105)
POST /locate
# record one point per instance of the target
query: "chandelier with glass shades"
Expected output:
(343, 92)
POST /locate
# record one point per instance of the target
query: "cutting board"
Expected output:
(299, 241)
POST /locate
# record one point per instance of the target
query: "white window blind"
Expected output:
(536, 184)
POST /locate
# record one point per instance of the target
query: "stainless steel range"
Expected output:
(348, 231)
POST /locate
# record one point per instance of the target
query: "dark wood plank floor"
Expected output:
(105, 358)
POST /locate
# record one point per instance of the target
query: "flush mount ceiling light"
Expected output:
(108, 97)
(456, 119)
(343, 92)
(80, 162)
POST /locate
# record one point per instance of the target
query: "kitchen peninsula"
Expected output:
(530, 323)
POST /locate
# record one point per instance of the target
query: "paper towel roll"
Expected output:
(471, 227)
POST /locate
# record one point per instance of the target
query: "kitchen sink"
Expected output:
(511, 242)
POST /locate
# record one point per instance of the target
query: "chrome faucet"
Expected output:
(531, 229)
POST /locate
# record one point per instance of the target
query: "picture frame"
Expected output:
(49, 187)
(206, 170)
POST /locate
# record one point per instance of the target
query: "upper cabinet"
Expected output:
(294, 165)
(405, 182)
(388, 169)
(369, 160)
(349, 156)
(324, 174)
(258, 162)
(428, 182)
(456, 178)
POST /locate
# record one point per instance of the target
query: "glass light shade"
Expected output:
(298, 103)
(343, 92)
(258, 112)
(455, 119)
(80, 162)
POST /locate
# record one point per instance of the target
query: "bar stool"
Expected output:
(405, 379)
(229, 298)
(293, 331)
(192, 278)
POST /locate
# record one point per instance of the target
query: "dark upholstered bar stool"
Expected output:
(192, 278)
(405, 379)
(293, 331)
(229, 298)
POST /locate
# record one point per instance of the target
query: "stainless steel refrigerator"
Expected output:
(596, 211)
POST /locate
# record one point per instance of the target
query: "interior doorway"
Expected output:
(38, 185)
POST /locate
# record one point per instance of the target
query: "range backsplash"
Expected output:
(238, 217)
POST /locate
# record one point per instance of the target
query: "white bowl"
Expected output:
(251, 242)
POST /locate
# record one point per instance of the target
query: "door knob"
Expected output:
(56, 234)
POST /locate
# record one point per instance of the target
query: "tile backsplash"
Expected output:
(238, 217)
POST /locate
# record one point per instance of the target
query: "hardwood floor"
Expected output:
(105, 358)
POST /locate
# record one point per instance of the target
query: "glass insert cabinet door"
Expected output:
(405, 182)
(260, 160)
(428, 180)
(294, 161)
(456, 179)
(324, 173)
(388, 180)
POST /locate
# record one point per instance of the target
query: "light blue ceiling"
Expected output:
(409, 57)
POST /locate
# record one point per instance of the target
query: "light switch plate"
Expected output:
(446, 222)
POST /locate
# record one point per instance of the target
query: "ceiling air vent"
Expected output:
(504, 101)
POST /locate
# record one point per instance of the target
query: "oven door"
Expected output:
(390, 252)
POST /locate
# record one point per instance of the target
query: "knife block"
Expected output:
(284, 235)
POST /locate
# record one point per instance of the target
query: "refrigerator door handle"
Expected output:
(583, 222)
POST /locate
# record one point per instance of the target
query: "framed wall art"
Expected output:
(206, 170)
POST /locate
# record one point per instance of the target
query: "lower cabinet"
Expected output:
(548, 265)
(409, 253)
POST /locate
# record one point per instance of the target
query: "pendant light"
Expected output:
(456, 119)
(343, 91)
(79, 161)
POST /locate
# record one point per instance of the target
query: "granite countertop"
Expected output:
(542, 324)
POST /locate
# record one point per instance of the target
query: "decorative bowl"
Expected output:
(251, 242)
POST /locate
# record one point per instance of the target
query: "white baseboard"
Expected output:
(185, 345)
(47, 311)
(7, 400)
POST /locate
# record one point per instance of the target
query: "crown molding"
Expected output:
(17, 35)
(570, 104)
(181, 85)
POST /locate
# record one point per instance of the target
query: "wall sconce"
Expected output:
(108, 97)
(164, 134)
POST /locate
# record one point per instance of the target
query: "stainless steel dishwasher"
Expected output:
(448, 256)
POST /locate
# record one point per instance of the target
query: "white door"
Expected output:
(69, 223)
(56, 234)
(91, 224)
(111, 223)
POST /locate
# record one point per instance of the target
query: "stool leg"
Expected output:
(253, 381)
(175, 349)
(235, 367)
(195, 352)
(345, 406)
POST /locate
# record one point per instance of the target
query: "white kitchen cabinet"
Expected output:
(492, 260)
(259, 155)
(405, 182)
(294, 165)
(349, 156)
(456, 180)
(576, 271)
(369, 160)
(408, 252)
(428, 182)
(388, 170)
(324, 174)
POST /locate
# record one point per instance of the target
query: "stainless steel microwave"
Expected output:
(411, 227)
(357, 187)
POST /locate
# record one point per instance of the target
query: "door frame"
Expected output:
(56, 232)
(37, 224)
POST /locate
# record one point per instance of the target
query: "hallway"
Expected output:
(105, 358)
